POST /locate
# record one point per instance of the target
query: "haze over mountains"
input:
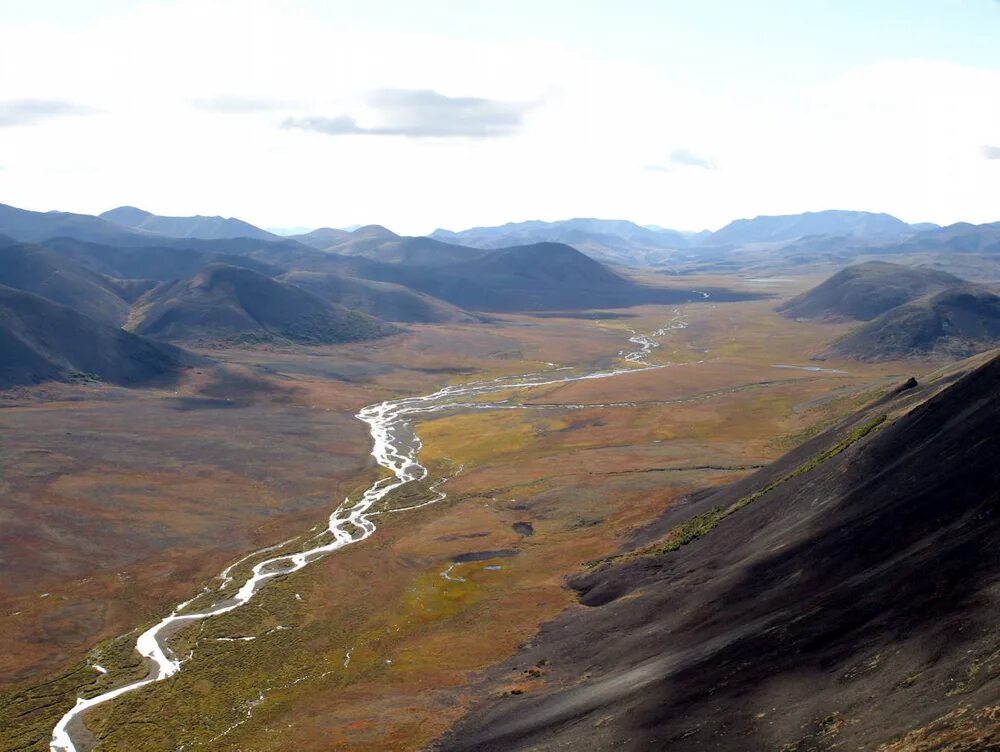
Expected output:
(205, 280)
(201, 278)
(764, 243)
(623, 242)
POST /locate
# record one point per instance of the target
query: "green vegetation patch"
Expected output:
(28, 716)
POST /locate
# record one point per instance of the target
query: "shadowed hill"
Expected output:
(539, 277)
(840, 598)
(42, 341)
(38, 270)
(864, 291)
(955, 323)
(383, 300)
(151, 262)
(207, 228)
(225, 302)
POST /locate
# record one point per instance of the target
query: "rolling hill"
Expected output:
(844, 597)
(42, 341)
(206, 228)
(378, 244)
(955, 323)
(543, 276)
(322, 238)
(384, 300)
(38, 270)
(864, 291)
(228, 303)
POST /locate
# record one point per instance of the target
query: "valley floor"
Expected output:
(118, 504)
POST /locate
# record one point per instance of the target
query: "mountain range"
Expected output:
(136, 280)
(200, 279)
(629, 244)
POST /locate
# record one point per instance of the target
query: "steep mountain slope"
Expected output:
(225, 302)
(613, 241)
(384, 300)
(954, 323)
(848, 599)
(42, 341)
(207, 228)
(773, 229)
(38, 270)
(864, 291)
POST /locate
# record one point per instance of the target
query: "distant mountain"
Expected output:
(543, 276)
(384, 300)
(394, 249)
(864, 291)
(42, 341)
(224, 302)
(286, 232)
(612, 241)
(36, 227)
(323, 238)
(776, 229)
(961, 237)
(843, 597)
(955, 323)
(206, 228)
(38, 270)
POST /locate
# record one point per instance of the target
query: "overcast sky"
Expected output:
(458, 113)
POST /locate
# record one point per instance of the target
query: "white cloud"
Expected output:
(682, 158)
(423, 113)
(900, 136)
(15, 112)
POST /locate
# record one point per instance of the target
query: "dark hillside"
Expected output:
(44, 341)
(864, 291)
(955, 323)
(383, 300)
(35, 269)
(849, 598)
(227, 302)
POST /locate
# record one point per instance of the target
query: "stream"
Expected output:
(396, 447)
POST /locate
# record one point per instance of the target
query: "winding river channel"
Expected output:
(396, 448)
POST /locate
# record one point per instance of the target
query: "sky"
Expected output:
(460, 113)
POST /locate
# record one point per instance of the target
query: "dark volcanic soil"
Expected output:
(845, 608)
